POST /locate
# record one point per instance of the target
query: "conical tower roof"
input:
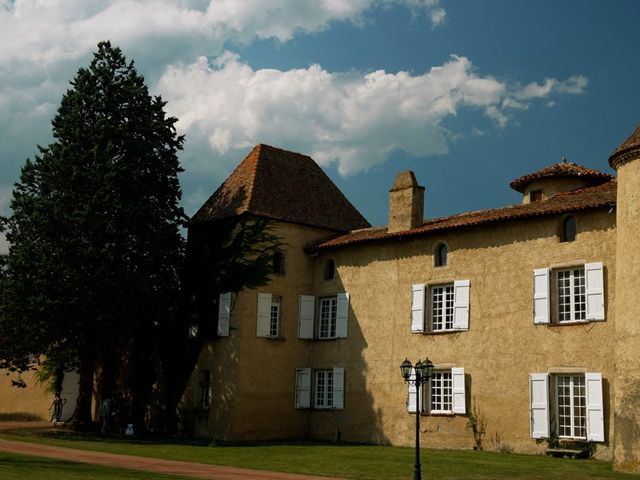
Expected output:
(629, 150)
(281, 185)
(562, 169)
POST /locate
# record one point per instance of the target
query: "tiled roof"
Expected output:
(282, 185)
(629, 149)
(591, 197)
(562, 169)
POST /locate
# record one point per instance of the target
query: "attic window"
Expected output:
(535, 196)
(329, 269)
(441, 254)
(568, 229)
(278, 263)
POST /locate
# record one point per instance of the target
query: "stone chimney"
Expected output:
(406, 203)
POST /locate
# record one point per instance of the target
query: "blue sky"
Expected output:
(468, 94)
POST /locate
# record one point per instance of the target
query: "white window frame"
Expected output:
(572, 424)
(544, 295)
(323, 388)
(455, 315)
(327, 317)
(540, 385)
(454, 390)
(571, 293)
(268, 315)
(314, 324)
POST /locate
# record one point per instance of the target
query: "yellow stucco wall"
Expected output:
(30, 403)
(498, 352)
(627, 351)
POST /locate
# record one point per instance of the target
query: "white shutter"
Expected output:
(541, 304)
(539, 397)
(595, 412)
(306, 312)
(224, 314)
(342, 315)
(263, 316)
(459, 396)
(412, 393)
(594, 285)
(338, 388)
(461, 305)
(303, 388)
(417, 308)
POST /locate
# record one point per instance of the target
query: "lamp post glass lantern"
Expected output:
(417, 376)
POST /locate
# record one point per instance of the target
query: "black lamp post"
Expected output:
(422, 374)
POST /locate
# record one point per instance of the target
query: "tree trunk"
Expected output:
(82, 414)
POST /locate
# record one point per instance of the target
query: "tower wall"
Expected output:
(626, 400)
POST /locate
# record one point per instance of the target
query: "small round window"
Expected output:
(442, 251)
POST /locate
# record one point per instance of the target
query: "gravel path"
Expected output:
(187, 469)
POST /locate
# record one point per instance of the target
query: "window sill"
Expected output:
(567, 323)
(442, 332)
(275, 339)
(438, 414)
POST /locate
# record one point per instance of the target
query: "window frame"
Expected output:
(573, 398)
(313, 321)
(568, 229)
(277, 263)
(329, 270)
(441, 255)
(446, 317)
(275, 321)
(319, 388)
(565, 294)
(330, 321)
(442, 389)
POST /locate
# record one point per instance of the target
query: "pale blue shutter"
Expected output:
(224, 314)
(594, 287)
(417, 308)
(263, 315)
(412, 393)
(461, 305)
(458, 390)
(338, 388)
(303, 388)
(539, 397)
(541, 303)
(595, 411)
(306, 314)
(342, 314)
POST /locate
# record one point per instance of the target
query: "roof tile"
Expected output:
(282, 185)
(562, 169)
(591, 197)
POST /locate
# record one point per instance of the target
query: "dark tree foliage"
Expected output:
(95, 245)
(222, 256)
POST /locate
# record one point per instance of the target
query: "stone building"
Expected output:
(528, 312)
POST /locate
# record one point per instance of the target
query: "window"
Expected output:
(576, 294)
(571, 406)
(568, 229)
(535, 196)
(574, 410)
(447, 308)
(327, 320)
(570, 286)
(327, 388)
(442, 308)
(278, 263)
(224, 314)
(205, 389)
(323, 318)
(268, 315)
(329, 269)
(441, 253)
(444, 394)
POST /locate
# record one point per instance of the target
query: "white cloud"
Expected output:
(353, 119)
(576, 84)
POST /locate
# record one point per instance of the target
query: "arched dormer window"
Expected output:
(278, 263)
(441, 254)
(329, 269)
(569, 229)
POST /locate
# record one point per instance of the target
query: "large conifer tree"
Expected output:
(94, 231)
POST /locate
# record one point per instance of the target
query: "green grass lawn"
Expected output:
(343, 461)
(19, 467)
